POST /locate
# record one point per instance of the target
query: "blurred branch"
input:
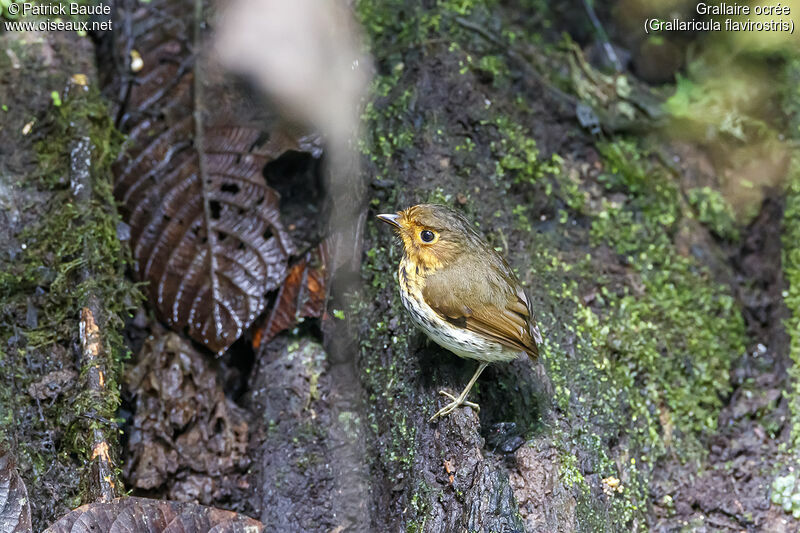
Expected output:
(306, 56)
(602, 35)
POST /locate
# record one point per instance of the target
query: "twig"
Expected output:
(102, 478)
(102, 467)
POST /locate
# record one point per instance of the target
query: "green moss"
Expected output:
(791, 245)
(439, 196)
(649, 358)
(396, 28)
(791, 269)
(388, 131)
(385, 367)
(715, 99)
(71, 255)
(790, 97)
(93, 261)
(420, 506)
(517, 156)
(785, 492)
(496, 67)
(714, 211)
(569, 473)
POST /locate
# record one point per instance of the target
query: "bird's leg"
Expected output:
(461, 400)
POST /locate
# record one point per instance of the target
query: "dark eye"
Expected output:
(426, 235)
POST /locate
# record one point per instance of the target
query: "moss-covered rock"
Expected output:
(639, 336)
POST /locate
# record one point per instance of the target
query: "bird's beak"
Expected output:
(392, 219)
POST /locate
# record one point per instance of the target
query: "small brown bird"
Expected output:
(461, 292)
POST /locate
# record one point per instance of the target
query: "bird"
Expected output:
(460, 292)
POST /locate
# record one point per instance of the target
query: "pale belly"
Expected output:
(460, 341)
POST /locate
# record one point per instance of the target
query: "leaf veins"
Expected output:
(205, 228)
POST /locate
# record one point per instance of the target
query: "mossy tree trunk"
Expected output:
(629, 281)
(63, 289)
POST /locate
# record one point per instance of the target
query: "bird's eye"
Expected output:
(426, 235)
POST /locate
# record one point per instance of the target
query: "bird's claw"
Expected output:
(452, 406)
(462, 402)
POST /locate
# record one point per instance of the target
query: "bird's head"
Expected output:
(433, 235)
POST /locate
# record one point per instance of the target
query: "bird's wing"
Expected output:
(489, 304)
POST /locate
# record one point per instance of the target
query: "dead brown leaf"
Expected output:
(143, 515)
(302, 295)
(205, 227)
(52, 384)
(15, 510)
(187, 437)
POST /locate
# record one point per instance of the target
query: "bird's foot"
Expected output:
(460, 402)
(452, 406)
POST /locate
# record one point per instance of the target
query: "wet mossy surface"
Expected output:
(61, 253)
(791, 266)
(791, 244)
(784, 489)
(642, 328)
(646, 331)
